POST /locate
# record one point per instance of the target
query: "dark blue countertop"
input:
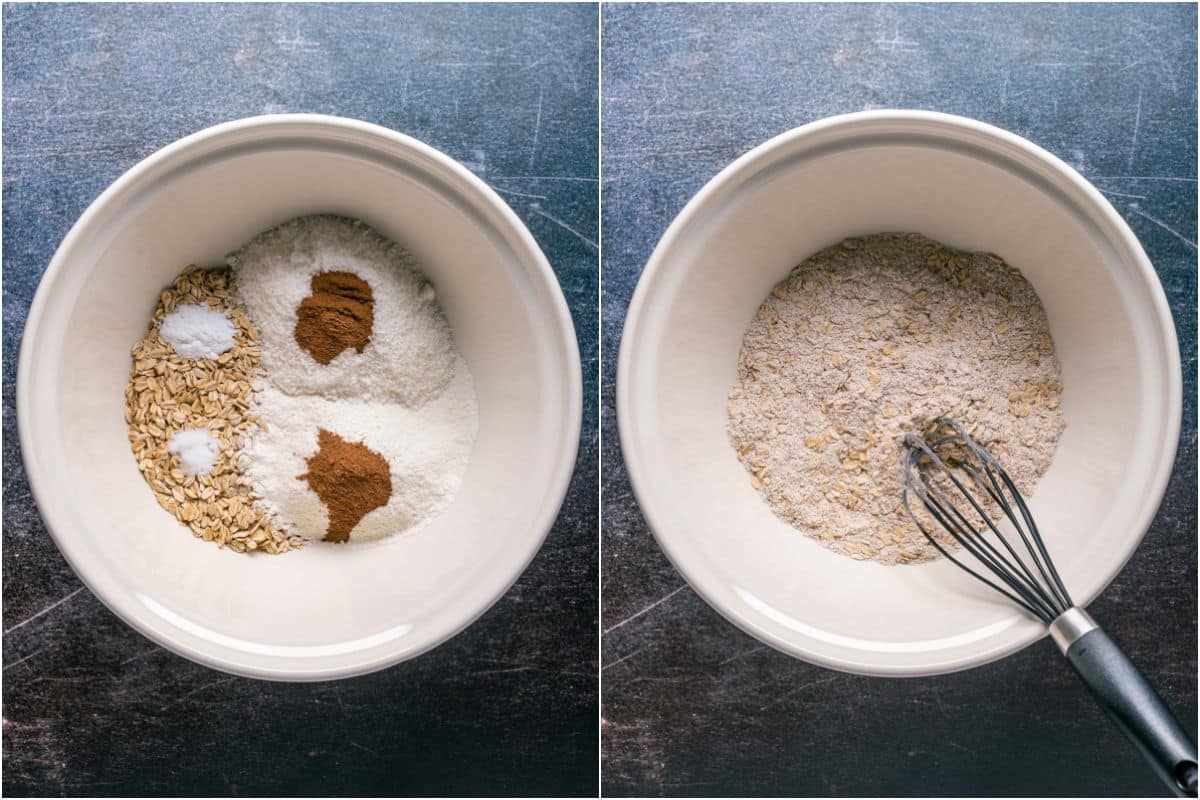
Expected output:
(508, 706)
(691, 704)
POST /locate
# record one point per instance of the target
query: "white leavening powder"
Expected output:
(196, 331)
(410, 355)
(196, 449)
(426, 449)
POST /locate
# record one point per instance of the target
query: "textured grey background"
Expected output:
(692, 705)
(508, 706)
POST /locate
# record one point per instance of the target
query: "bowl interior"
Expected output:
(323, 611)
(969, 190)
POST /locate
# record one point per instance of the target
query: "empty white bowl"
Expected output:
(323, 612)
(971, 186)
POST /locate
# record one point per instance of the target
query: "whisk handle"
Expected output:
(1131, 701)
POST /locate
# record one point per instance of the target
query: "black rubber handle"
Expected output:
(1137, 709)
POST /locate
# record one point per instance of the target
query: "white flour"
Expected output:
(426, 448)
(408, 396)
(410, 355)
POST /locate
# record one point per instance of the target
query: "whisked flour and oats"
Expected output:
(309, 390)
(870, 339)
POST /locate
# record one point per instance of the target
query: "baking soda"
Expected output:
(196, 449)
(196, 331)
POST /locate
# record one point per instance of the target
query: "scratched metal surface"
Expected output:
(507, 707)
(693, 706)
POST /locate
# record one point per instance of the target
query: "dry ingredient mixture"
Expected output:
(872, 338)
(338, 409)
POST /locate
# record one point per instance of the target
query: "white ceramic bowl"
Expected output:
(323, 612)
(971, 186)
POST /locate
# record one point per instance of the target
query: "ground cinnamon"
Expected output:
(350, 478)
(337, 316)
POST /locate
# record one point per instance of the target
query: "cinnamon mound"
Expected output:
(337, 316)
(350, 478)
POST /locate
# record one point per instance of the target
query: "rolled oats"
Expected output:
(167, 393)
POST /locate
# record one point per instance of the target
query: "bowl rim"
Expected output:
(656, 513)
(476, 193)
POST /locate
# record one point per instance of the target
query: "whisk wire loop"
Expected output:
(939, 513)
(993, 489)
(970, 538)
(1031, 578)
(997, 474)
(1042, 558)
(995, 557)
